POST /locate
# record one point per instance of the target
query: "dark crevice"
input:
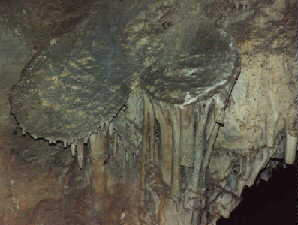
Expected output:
(268, 203)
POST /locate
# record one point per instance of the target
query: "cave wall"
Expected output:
(177, 149)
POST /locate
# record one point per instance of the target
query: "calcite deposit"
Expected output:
(169, 108)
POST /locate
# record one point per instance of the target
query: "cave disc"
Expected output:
(71, 88)
(205, 63)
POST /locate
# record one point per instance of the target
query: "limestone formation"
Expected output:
(182, 103)
(75, 86)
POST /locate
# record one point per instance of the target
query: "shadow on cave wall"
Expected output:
(268, 203)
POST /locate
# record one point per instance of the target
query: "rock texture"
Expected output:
(170, 107)
(74, 86)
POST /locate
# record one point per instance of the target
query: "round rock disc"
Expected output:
(206, 62)
(70, 89)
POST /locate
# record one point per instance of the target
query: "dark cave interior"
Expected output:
(268, 203)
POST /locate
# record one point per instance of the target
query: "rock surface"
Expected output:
(76, 85)
(168, 153)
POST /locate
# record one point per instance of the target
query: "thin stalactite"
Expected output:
(176, 177)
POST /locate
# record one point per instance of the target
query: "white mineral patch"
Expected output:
(188, 99)
(34, 136)
(53, 42)
(190, 71)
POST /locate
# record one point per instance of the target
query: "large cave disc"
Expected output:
(71, 88)
(205, 62)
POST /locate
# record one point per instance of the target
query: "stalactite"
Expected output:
(145, 150)
(80, 154)
(97, 154)
(126, 157)
(111, 128)
(65, 143)
(157, 141)
(150, 144)
(146, 132)
(73, 149)
(191, 129)
(210, 139)
(187, 135)
(166, 146)
(115, 144)
(292, 134)
(291, 147)
(176, 178)
(192, 187)
(86, 140)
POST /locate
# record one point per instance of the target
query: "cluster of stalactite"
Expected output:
(180, 142)
(169, 149)
(148, 135)
(203, 183)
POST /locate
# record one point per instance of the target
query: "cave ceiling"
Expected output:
(191, 98)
